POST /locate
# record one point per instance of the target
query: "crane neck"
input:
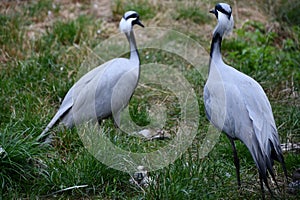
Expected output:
(215, 49)
(134, 54)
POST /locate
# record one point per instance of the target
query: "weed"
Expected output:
(145, 9)
(192, 13)
(20, 156)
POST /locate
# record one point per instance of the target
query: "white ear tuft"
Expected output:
(225, 25)
(229, 27)
(124, 26)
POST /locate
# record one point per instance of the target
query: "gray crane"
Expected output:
(115, 79)
(237, 105)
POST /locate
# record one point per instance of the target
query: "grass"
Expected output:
(191, 12)
(36, 72)
(143, 7)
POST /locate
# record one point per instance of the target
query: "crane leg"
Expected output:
(262, 187)
(236, 161)
(262, 181)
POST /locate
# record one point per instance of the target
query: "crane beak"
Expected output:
(138, 22)
(213, 11)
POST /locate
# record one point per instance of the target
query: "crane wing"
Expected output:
(264, 144)
(68, 100)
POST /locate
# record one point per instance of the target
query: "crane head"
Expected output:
(223, 13)
(129, 19)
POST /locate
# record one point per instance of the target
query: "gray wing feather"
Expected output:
(92, 94)
(243, 111)
(64, 108)
(68, 101)
(262, 136)
(261, 115)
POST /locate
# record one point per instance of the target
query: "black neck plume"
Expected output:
(215, 48)
(216, 44)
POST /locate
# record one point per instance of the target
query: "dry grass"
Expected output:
(70, 10)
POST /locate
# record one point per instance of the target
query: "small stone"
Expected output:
(2, 152)
(140, 177)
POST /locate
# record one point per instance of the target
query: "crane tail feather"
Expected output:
(264, 159)
(276, 154)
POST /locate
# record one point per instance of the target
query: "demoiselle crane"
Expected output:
(97, 86)
(237, 105)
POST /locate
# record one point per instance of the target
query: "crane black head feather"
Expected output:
(133, 15)
(223, 8)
